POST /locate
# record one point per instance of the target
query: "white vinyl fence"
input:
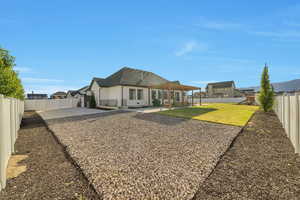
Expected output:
(217, 100)
(50, 104)
(11, 112)
(288, 111)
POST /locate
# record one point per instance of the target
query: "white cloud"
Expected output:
(40, 80)
(220, 26)
(281, 34)
(49, 89)
(190, 46)
(23, 69)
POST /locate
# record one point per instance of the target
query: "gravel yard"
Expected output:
(49, 174)
(261, 164)
(144, 156)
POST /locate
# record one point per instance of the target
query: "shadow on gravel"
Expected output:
(161, 119)
(46, 172)
(83, 117)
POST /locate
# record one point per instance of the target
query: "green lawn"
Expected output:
(224, 113)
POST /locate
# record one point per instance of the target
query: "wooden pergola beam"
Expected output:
(174, 86)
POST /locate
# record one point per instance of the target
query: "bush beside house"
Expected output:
(10, 83)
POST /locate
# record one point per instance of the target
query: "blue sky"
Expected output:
(62, 44)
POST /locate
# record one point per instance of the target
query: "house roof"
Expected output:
(72, 92)
(59, 93)
(79, 91)
(130, 76)
(83, 89)
(223, 84)
(35, 94)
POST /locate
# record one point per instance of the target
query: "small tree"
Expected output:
(10, 84)
(93, 101)
(266, 94)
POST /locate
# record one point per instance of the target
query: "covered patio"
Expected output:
(170, 88)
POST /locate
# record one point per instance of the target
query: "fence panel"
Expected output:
(217, 100)
(287, 108)
(11, 112)
(51, 104)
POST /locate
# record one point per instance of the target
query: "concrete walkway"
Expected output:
(68, 112)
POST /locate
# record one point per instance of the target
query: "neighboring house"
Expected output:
(221, 89)
(80, 94)
(131, 88)
(77, 93)
(247, 91)
(59, 95)
(37, 96)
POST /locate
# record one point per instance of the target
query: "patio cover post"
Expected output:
(200, 96)
(163, 97)
(149, 96)
(192, 97)
(169, 98)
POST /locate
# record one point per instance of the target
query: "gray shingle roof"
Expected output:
(59, 93)
(223, 84)
(130, 76)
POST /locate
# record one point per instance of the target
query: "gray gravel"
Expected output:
(145, 156)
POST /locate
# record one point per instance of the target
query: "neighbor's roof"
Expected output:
(129, 76)
(59, 93)
(83, 89)
(36, 94)
(79, 91)
(223, 84)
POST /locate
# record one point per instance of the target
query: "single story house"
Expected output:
(36, 96)
(77, 93)
(59, 95)
(130, 87)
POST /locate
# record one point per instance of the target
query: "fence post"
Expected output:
(283, 111)
(297, 120)
(2, 179)
(2, 145)
(288, 121)
(12, 124)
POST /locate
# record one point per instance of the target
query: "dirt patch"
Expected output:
(14, 168)
(49, 174)
(261, 164)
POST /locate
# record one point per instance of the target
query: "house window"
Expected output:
(153, 94)
(140, 94)
(177, 96)
(132, 94)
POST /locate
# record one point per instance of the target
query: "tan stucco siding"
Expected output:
(95, 89)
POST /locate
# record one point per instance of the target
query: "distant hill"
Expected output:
(287, 86)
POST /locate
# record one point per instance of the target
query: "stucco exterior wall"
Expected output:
(95, 89)
(143, 102)
(115, 93)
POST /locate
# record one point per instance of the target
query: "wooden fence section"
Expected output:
(287, 108)
(11, 112)
(51, 104)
